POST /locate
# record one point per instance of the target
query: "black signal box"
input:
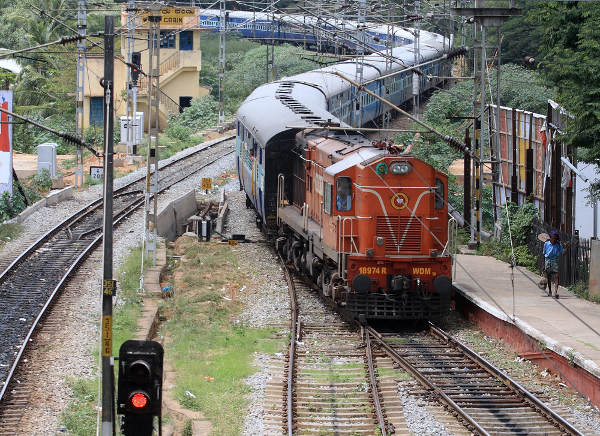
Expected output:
(140, 378)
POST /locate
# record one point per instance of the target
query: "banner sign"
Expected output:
(6, 102)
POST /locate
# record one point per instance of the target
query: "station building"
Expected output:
(180, 64)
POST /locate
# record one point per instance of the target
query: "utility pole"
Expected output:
(79, 116)
(270, 65)
(483, 17)
(360, 35)
(108, 417)
(150, 233)
(222, 62)
(389, 45)
(417, 58)
(131, 111)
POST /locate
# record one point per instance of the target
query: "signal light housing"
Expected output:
(136, 61)
(140, 378)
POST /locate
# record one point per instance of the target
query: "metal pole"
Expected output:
(472, 219)
(150, 235)
(131, 107)
(360, 30)
(417, 56)
(467, 181)
(481, 118)
(79, 91)
(222, 61)
(107, 290)
(595, 219)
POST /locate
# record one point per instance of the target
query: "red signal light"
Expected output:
(139, 400)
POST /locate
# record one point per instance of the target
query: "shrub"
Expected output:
(41, 182)
(521, 223)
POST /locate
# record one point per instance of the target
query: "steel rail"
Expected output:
(374, 389)
(79, 215)
(506, 379)
(426, 382)
(292, 348)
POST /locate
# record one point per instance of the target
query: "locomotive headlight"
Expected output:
(400, 168)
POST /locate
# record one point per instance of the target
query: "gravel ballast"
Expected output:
(63, 347)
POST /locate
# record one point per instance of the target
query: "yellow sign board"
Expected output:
(206, 183)
(172, 16)
(106, 336)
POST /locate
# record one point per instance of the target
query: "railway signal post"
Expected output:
(108, 286)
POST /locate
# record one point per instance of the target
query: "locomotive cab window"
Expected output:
(343, 197)
(327, 194)
(439, 194)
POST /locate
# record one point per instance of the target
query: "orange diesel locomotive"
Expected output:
(368, 223)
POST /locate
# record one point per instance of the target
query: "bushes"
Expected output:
(521, 225)
(202, 113)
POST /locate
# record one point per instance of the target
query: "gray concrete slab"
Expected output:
(569, 326)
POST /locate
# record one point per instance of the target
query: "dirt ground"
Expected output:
(25, 165)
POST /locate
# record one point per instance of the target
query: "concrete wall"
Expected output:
(595, 267)
(174, 216)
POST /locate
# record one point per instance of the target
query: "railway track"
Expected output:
(29, 285)
(482, 397)
(331, 382)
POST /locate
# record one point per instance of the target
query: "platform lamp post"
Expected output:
(108, 284)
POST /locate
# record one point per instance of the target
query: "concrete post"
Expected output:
(595, 267)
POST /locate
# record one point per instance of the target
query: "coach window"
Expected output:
(343, 194)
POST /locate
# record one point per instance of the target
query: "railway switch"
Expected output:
(139, 394)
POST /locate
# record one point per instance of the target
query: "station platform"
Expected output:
(562, 335)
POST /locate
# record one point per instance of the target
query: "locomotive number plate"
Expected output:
(372, 270)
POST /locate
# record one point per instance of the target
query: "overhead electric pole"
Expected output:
(131, 111)
(150, 233)
(222, 61)
(361, 23)
(417, 59)
(108, 418)
(483, 17)
(79, 97)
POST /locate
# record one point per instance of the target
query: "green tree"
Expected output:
(571, 43)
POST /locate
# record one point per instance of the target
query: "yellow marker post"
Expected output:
(107, 336)
(206, 184)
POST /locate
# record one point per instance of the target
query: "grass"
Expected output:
(79, 417)
(210, 353)
(582, 290)
(9, 232)
(170, 146)
(397, 374)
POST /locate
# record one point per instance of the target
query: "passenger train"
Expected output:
(365, 220)
(299, 29)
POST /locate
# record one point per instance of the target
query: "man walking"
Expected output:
(553, 249)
